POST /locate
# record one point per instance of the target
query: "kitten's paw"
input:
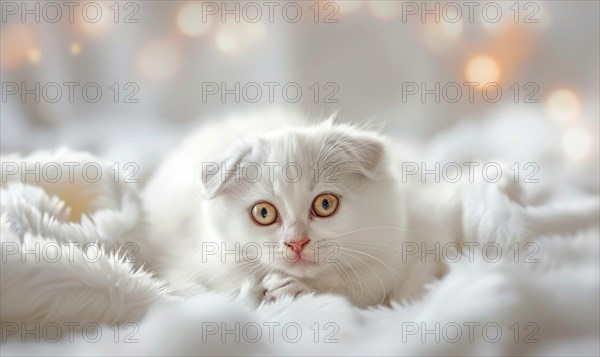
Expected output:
(277, 285)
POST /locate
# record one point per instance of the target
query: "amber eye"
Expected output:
(264, 213)
(325, 204)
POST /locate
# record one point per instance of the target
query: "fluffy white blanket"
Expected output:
(70, 287)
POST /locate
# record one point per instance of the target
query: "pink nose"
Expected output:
(297, 245)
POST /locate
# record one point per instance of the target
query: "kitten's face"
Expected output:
(305, 199)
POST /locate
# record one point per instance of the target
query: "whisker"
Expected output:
(358, 278)
(381, 246)
(372, 227)
(345, 275)
(381, 284)
(375, 273)
(373, 257)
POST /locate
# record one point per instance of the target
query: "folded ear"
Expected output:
(218, 176)
(356, 152)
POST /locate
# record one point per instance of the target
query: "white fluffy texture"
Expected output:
(559, 294)
(44, 278)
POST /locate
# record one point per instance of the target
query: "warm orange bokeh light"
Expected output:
(563, 105)
(482, 69)
(34, 55)
(75, 49)
(17, 43)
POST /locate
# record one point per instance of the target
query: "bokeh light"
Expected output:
(347, 7)
(496, 25)
(439, 36)
(532, 16)
(563, 105)
(482, 69)
(577, 143)
(226, 42)
(384, 9)
(160, 59)
(75, 48)
(34, 55)
(235, 37)
(189, 20)
(98, 21)
(16, 42)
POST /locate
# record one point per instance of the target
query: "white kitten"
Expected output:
(301, 209)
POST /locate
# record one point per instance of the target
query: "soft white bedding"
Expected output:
(546, 305)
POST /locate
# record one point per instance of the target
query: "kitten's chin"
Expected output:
(301, 268)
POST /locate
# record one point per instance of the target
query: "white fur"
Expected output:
(40, 284)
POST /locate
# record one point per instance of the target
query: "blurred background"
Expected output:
(127, 80)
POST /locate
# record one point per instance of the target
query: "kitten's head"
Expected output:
(304, 199)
